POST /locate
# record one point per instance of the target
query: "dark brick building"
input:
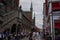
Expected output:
(25, 19)
(8, 14)
(12, 17)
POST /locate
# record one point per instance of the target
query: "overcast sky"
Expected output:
(37, 9)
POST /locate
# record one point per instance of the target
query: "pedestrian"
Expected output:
(34, 35)
(58, 37)
(1, 37)
(30, 36)
(6, 34)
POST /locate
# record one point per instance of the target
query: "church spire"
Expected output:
(34, 19)
(31, 8)
(20, 8)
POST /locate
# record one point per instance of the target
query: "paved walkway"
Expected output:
(26, 38)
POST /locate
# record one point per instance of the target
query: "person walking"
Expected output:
(30, 36)
(58, 37)
(1, 37)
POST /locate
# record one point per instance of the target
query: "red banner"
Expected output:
(55, 5)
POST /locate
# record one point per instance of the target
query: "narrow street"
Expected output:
(27, 38)
(29, 19)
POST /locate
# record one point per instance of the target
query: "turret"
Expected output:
(34, 19)
(31, 8)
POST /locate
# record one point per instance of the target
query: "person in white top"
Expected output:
(36, 36)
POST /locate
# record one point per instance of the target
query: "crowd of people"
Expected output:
(19, 36)
(33, 35)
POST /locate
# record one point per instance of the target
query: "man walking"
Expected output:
(1, 36)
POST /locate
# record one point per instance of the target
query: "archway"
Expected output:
(13, 28)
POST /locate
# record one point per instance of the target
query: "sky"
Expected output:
(37, 9)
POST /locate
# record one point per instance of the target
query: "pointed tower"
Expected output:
(31, 11)
(34, 20)
(20, 12)
(20, 8)
(31, 8)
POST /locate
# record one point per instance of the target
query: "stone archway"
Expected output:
(13, 28)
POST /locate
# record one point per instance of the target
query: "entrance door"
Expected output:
(13, 28)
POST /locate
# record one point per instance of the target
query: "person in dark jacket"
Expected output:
(30, 37)
(58, 37)
(1, 37)
(31, 34)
